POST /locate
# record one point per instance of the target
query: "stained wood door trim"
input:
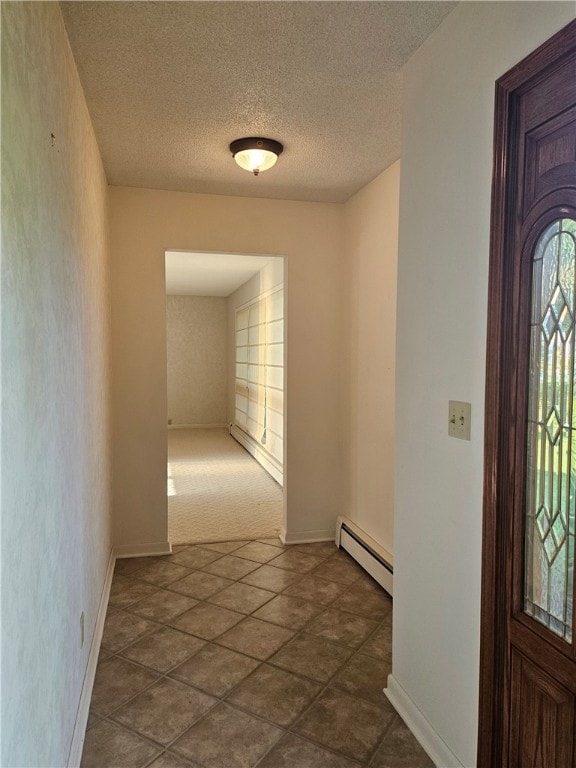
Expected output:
(498, 458)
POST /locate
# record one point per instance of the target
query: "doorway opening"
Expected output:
(226, 373)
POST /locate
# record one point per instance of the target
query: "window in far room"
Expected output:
(259, 404)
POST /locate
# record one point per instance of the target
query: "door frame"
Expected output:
(497, 533)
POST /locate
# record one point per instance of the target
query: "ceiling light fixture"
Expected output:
(255, 154)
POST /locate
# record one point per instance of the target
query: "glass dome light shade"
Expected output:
(255, 159)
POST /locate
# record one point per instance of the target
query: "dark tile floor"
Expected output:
(244, 654)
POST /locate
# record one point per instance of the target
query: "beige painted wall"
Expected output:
(371, 248)
(442, 297)
(55, 436)
(143, 224)
(196, 334)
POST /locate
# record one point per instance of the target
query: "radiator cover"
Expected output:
(375, 560)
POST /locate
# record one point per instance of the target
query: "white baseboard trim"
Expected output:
(436, 748)
(143, 550)
(266, 461)
(306, 537)
(197, 426)
(75, 754)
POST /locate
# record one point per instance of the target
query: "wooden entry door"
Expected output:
(528, 642)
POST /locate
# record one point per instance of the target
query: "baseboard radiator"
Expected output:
(375, 560)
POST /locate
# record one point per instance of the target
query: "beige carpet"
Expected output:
(217, 491)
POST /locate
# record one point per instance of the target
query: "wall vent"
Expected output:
(375, 560)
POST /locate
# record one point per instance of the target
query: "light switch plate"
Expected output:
(459, 419)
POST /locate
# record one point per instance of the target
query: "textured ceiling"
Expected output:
(170, 84)
(210, 274)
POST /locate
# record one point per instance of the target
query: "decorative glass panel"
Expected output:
(551, 435)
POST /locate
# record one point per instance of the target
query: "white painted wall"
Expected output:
(196, 349)
(143, 225)
(55, 433)
(371, 250)
(442, 295)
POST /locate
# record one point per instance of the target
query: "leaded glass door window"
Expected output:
(551, 438)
